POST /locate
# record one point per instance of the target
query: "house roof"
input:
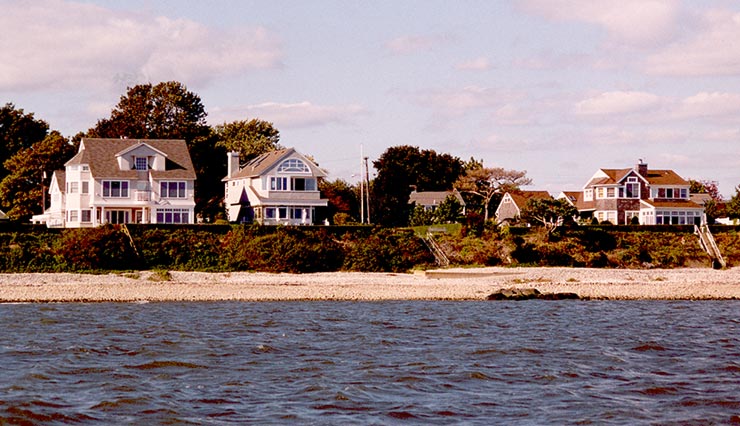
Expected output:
(654, 177)
(700, 198)
(433, 198)
(676, 204)
(263, 163)
(100, 155)
(3, 216)
(521, 197)
(61, 177)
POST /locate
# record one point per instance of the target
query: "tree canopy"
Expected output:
(22, 189)
(548, 212)
(486, 182)
(402, 168)
(18, 130)
(250, 138)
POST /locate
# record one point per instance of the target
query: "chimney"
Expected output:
(232, 164)
(642, 168)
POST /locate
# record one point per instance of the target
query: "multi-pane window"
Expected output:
(293, 165)
(74, 187)
(174, 189)
(141, 163)
(279, 184)
(115, 188)
(173, 216)
(86, 216)
(304, 184)
(632, 188)
(85, 187)
(73, 216)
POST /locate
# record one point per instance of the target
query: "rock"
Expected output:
(528, 294)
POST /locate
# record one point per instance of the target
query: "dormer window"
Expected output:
(293, 165)
(141, 163)
(632, 188)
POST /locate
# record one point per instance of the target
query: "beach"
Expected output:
(441, 284)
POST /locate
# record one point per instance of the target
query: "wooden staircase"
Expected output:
(439, 255)
(706, 240)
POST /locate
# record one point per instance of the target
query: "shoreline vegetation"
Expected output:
(461, 284)
(250, 263)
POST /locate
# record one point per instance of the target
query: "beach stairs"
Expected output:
(126, 232)
(706, 240)
(439, 255)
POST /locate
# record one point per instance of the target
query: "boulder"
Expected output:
(528, 294)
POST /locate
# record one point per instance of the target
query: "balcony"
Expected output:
(142, 196)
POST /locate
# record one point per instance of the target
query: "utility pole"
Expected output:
(362, 191)
(367, 179)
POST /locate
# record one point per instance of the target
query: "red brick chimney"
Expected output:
(642, 168)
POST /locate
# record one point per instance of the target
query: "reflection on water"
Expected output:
(532, 362)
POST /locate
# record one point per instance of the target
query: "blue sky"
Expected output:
(556, 87)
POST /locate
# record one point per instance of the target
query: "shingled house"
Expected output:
(651, 197)
(512, 203)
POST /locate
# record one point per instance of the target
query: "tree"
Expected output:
(486, 182)
(705, 187)
(23, 187)
(250, 138)
(342, 199)
(18, 130)
(401, 167)
(548, 212)
(732, 208)
(169, 111)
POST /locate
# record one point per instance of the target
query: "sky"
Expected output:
(559, 88)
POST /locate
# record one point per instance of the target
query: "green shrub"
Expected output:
(386, 251)
(93, 249)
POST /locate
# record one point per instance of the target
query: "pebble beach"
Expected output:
(441, 284)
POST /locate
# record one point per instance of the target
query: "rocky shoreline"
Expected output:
(446, 284)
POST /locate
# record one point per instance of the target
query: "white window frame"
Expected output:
(293, 165)
(279, 183)
(73, 187)
(123, 188)
(141, 163)
(173, 216)
(85, 187)
(85, 216)
(166, 189)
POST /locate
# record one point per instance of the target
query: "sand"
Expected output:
(445, 284)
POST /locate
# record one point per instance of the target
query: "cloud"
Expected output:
(290, 115)
(455, 101)
(408, 44)
(714, 104)
(478, 64)
(618, 103)
(63, 44)
(713, 51)
(635, 22)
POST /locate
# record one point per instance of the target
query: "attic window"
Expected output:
(141, 163)
(293, 165)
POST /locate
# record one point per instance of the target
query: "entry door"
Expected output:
(116, 216)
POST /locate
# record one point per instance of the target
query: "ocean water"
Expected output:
(512, 363)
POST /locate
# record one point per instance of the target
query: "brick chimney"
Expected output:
(232, 163)
(642, 168)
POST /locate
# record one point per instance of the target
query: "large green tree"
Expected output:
(342, 199)
(548, 212)
(169, 111)
(18, 130)
(250, 138)
(402, 168)
(488, 182)
(732, 208)
(23, 187)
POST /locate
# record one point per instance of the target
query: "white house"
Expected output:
(278, 187)
(123, 181)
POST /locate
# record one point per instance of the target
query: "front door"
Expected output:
(116, 216)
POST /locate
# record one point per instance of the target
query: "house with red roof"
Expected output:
(512, 203)
(123, 181)
(279, 187)
(651, 197)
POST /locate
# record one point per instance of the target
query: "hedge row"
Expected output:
(238, 248)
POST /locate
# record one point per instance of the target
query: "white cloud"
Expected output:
(713, 50)
(618, 103)
(478, 64)
(408, 44)
(290, 115)
(714, 104)
(635, 22)
(455, 102)
(63, 44)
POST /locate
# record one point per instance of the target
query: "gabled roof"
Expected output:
(100, 155)
(520, 198)
(138, 144)
(61, 178)
(654, 177)
(265, 162)
(3, 216)
(433, 198)
(665, 177)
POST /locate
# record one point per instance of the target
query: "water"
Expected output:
(534, 362)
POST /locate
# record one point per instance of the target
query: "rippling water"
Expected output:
(534, 362)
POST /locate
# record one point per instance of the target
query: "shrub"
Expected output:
(92, 249)
(386, 251)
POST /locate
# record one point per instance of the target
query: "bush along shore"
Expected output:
(213, 248)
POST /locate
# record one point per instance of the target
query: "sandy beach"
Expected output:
(444, 284)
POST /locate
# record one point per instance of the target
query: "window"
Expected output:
(684, 193)
(85, 168)
(86, 216)
(278, 184)
(296, 213)
(282, 212)
(73, 216)
(115, 188)
(632, 188)
(669, 192)
(304, 184)
(610, 193)
(141, 163)
(270, 213)
(173, 216)
(85, 187)
(172, 189)
(74, 187)
(588, 195)
(293, 165)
